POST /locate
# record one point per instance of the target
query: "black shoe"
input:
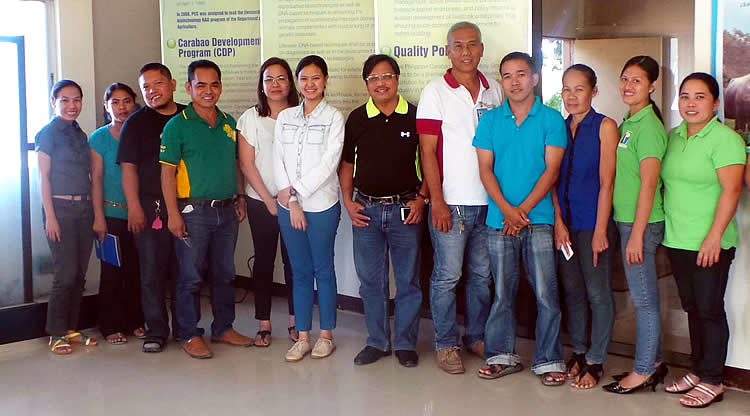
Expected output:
(659, 374)
(407, 358)
(615, 387)
(369, 355)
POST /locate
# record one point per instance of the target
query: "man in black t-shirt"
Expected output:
(138, 156)
(381, 160)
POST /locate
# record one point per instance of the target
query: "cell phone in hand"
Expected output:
(405, 211)
(567, 250)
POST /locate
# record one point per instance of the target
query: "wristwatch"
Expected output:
(426, 200)
(292, 191)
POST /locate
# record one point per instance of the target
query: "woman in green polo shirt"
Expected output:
(120, 312)
(702, 173)
(639, 216)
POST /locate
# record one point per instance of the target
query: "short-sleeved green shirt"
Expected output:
(205, 156)
(106, 145)
(641, 136)
(691, 184)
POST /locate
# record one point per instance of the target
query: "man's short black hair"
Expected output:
(373, 60)
(522, 56)
(158, 66)
(202, 63)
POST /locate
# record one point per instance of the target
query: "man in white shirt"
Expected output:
(447, 117)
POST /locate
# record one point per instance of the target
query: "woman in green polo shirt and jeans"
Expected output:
(639, 216)
(702, 173)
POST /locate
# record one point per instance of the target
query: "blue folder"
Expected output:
(109, 250)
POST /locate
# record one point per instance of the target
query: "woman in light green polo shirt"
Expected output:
(639, 216)
(702, 173)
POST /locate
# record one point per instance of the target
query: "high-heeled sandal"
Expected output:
(713, 397)
(674, 388)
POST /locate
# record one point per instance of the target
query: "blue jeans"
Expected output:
(387, 233)
(460, 252)
(585, 284)
(535, 248)
(644, 291)
(212, 236)
(311, 254)
(158, 264)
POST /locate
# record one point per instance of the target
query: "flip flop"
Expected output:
(118, 338)
(504, 371)
(153, 344)
(140, 336)
(552, 382)
(264, 336)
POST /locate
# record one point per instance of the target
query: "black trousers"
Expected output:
(702, 297)
(120, 287)
(70, 256)
(265, 231)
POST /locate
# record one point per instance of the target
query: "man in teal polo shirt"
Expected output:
(520, 146)
(199, 181)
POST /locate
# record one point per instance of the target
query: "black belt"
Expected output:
(390, 199)
(200, 202)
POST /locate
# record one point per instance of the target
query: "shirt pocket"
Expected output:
(316, 133)
(288, 132)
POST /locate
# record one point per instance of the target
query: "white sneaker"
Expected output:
(323, 348)
(298, 350)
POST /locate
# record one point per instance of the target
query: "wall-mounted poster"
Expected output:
(226, 32)
(733, 61)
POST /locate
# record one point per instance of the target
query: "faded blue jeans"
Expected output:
(385, 235)
(460, 252)
(534, 247)
(644, 291)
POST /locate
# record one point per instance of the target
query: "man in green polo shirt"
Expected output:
(199, 181)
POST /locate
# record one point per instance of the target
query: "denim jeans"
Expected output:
(587, 285)
(644, 291)
(70, 257)
(212, 237)
(159, 272)
(265, 231)
(534, 247)
(460, 252)
(387, 234)
(702, 292)
(311, 254)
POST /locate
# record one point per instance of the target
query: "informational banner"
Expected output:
(414, 32)
(733, 62)
(226, 32)
(341, 31)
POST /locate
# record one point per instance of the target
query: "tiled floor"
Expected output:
(120, 380)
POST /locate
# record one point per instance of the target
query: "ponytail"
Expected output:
(656, 109)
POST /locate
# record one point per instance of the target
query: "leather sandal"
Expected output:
(580, 360)
(264, 337)
(594, 370)
(713, 397)
(60, 345)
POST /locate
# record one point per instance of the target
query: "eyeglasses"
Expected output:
(384, 77)
(280, 80)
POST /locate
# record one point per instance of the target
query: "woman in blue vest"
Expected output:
(583, 207)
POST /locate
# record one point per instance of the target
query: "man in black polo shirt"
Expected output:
(380, 160)
(138, 156)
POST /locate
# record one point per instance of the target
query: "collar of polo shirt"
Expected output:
(507, 112)
(640, 114)
(372, 110)
(189, 113)
(683, 128)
